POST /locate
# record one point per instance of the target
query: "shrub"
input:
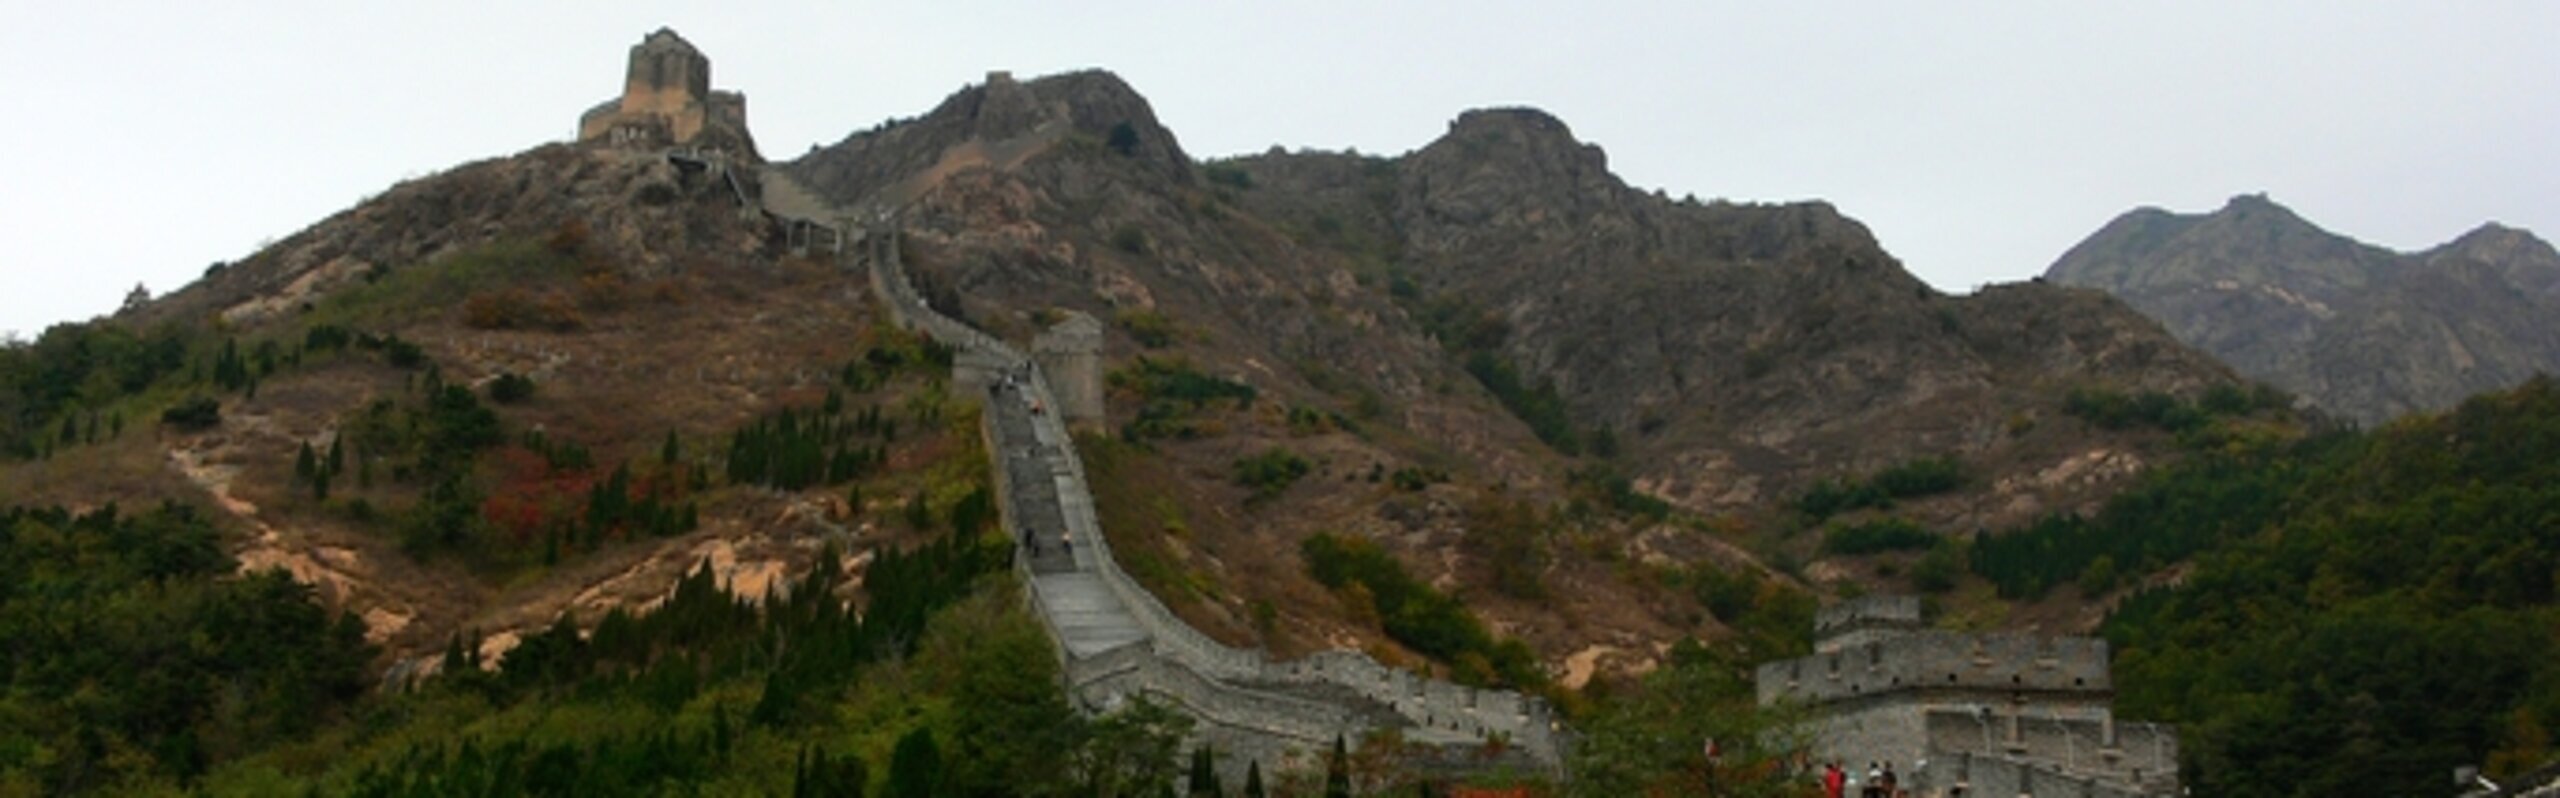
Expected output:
(1151, 329)
(510, 388)
(516, 309)
(1130, 239)
(1414, 613)
(195, 413)
(1231, 176)
(1270, 472)
(1123, 139)
(1891, 534)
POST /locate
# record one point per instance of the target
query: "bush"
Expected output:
(1891, 534)
(1415, 614)
(515, 309)
(1231, 176)
(1926, 476)
(1130, 239)
(1123, 139)
(1151, 329)
(510, 388)
(1270, 472)
(195, 413)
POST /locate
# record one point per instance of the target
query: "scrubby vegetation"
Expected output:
(2116, 410)
(1875, 537)
(1927, 476)
(1270, 472)
(1170, 395)
(1424, 619)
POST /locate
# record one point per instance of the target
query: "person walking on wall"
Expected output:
(1833, 780)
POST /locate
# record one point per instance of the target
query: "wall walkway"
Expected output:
(1115, 639)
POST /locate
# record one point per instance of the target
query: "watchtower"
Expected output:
(1070, 353)
(667, 101)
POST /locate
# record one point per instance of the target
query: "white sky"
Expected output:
(1978, 140)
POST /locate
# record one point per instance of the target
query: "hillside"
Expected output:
(2365, 333)
(1481, 392)
(2375, 609)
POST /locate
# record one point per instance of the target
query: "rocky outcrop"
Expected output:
(2365, 333)
(1738, 350)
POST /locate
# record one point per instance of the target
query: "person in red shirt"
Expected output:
(1833, 781)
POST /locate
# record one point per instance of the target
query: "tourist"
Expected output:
(1874, 782)
(1833, 780)
(1887, 783)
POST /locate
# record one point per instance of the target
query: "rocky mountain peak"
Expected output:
(1505, 165)
(1000, 123)
(2363, 331)
(2522, 257)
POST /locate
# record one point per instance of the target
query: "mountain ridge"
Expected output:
(2363, 332)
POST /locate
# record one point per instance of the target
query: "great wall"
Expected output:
(1115, 640)
(1962, 714)
(1994, 714)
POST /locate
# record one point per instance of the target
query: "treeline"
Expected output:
(1170, 394)
(791, 450)
(2116, 410)
(1926, 476)
(1419, 616)
(803, 648)
(131, 652)
(2365, 612)
(2211, 498)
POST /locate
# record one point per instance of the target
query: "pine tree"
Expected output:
(337, 455)
(915, 767)
(1253, 779)
(304, 464)
(669, 451)
(1204, 774)
(1337, 771)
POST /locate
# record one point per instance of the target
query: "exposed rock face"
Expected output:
(1739, 351)
(2366, 333)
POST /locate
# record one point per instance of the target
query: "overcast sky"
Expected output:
(1977, 140)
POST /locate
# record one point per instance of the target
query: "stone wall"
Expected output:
(1859, 621)
(1240, 696)
(2048, 667)
(2000, 777)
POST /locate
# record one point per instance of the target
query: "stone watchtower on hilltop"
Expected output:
(1997, 714)
(667, 101)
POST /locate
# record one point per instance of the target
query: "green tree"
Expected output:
(1204, 775)
(1651, 740)
(1337, 771)
(915, 766)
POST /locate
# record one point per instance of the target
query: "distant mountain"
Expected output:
(2366, 333)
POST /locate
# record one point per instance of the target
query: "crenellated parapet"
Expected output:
(1998, 714)
(2053, 668)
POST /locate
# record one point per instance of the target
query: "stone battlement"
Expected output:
(1861, 620)
(2000, 714)
(2070, 668)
